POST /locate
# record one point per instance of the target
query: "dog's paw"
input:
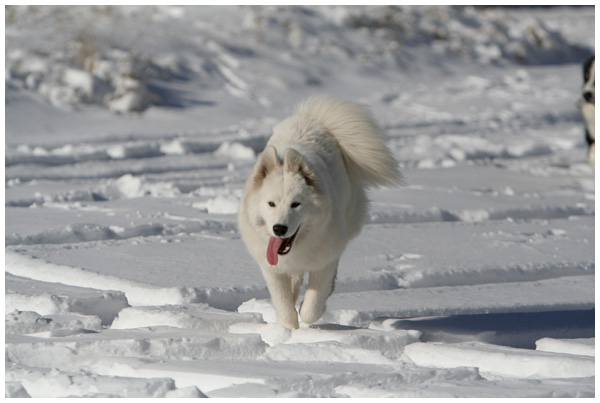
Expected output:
(289, 320)
(311, 313)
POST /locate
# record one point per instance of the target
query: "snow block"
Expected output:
(564, 293)
(192, 316)
(501, 361)
(567, 346)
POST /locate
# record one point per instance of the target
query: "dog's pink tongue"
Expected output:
(272, 249)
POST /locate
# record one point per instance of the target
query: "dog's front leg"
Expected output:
(282, 296)
(320, 286)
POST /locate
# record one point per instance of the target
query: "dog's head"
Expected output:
(288, 198)
(589, 80)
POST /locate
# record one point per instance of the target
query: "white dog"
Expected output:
(306, 199)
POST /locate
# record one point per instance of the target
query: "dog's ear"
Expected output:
(267, 162)
(294, 162)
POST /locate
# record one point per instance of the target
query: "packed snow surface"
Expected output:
(131, 130)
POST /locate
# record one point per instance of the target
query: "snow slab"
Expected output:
(570, 346)
(501, 361)
(565, 293)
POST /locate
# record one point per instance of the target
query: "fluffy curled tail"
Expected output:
(359, 137)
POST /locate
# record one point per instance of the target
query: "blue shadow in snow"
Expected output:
(519, 330)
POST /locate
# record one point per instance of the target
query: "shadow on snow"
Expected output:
(519, 330)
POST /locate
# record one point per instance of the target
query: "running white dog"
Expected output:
(306, 199)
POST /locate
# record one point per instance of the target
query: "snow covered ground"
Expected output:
(130, 132)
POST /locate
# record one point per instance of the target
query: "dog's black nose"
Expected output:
(588, 96)
(279, 229)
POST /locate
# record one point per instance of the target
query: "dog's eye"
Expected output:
(295, 205)
(272, 204)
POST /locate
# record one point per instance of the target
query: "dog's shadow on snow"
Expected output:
(332, 326)
(520, 330)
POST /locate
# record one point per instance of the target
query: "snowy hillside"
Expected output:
(131, 130)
